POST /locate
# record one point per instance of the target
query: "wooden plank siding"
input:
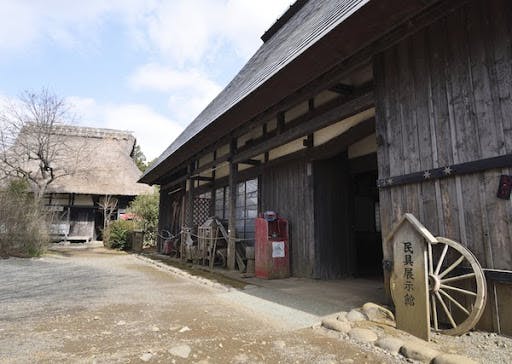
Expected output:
(287, 189)
(444, 96)
(335, 256)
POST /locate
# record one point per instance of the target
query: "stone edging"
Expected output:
(358, 323)
(182, 273)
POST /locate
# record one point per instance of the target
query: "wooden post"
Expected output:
(190, 198)
(233, 172)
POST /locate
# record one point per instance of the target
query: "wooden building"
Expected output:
(98, 164)
(351, 114)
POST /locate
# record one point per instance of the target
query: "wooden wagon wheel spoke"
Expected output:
(434, 311)
(460, 290)
(430, 259)
(452, 267)
(462, 308)
(458, 278)
(446, 310)
(446, 291)
(443, 255)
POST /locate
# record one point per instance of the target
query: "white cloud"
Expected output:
(189, 31)
(179, 30)
(153, 76)
(190, 90)
(24, 23)
(153, 131)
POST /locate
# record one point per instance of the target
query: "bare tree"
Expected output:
(108, 205)
(31, 147)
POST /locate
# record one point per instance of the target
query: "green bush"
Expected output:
(23, 222)
(145, 209)
(117, 234)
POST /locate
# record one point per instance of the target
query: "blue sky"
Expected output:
(148, 66)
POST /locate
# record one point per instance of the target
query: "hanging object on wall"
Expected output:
(505, 187)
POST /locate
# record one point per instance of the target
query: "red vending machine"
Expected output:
(272, 246)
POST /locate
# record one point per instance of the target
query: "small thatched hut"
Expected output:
(100, 167)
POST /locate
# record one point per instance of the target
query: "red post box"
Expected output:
(272, 246)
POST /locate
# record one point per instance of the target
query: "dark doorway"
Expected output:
(366, 223)
(82, 222)
(347, 231)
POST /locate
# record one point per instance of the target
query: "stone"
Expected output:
(452, 359)
(378, 314)
(390, 344)
(354, 315)
(155, 329)
(184, 329)
(183, 351)
(333, 324)
(146, 357)
(418, 351)
(362, 335)
(121, 323)
(342, 316)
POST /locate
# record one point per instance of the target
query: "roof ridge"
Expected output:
(87, 131)
(283, 19)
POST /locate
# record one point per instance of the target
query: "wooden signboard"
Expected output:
(409, 280)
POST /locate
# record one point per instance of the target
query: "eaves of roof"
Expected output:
(318, 37)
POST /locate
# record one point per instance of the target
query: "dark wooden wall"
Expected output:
(443, 96)
(334, 253)
(287, 189)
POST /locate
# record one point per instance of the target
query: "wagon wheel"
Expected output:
(448, 300)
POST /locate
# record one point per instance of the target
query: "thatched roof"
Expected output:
(98, 160)
(105, 163)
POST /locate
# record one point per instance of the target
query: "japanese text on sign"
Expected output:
(408, 274)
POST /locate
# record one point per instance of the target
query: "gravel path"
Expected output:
(99, 306)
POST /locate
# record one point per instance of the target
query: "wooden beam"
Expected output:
(342, 89)
(326, 150)
(252, 162)
(503, 161)
(309, 124)
(214, 163)
(202, 178)
(175, 182)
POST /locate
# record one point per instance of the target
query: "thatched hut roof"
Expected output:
(105, 163)
(97, 161)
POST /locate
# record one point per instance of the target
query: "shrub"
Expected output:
(145, 209)
(23, 222)
(117, 234)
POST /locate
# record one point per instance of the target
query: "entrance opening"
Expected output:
(347, 223)
(366, 234)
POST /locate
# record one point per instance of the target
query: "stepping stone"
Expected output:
(354, 315)
(452, 359)
(418, 351)
(333, 324)
(390, 344)
(363, 335)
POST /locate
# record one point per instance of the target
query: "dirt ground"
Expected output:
(99, 306)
